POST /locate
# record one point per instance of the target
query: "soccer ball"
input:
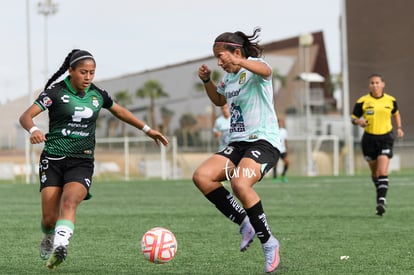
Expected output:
(159, 245)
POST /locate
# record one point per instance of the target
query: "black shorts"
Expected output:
(57, 170)
(375, 145)
(260, 151)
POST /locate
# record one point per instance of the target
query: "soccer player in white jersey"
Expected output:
(67, 162)
(254, 141)
(283, 153)
(221, 127)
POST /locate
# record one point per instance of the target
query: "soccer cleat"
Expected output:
(276, 180)
(46, 247)
(58, 256)
(380, 209)
(271, 254)
(380, 206)
(247, 231)
(284, 179)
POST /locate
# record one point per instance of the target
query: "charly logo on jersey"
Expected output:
(81, 113)
(242, 78)
(95, 102)
(65, 99)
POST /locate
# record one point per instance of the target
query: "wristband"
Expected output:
(146, 128)
(206, 80)
(34, 128)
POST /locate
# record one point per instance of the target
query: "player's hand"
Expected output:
(227, 58)
(362, 122)
(37, 137)
(400, 133)
(204, 72)
(157, 137)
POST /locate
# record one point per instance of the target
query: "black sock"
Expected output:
(258, 220)
(375, 181)
(382, 188)
(285, 168)
(227, 204)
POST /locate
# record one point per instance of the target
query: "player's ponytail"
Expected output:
(246, 43)
(63, 68)
(71, 60)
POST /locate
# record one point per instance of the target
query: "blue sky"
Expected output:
(128, 36)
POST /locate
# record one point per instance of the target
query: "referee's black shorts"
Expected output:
(375, 145)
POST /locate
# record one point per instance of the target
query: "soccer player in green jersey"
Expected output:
(373, 112)
(254, 142)
(67, 160)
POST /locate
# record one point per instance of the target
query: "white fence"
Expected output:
(136, 156)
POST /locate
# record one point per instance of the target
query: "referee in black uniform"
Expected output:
(373, 112)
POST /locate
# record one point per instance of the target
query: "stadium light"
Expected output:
(46, 8)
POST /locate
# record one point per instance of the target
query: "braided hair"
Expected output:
(238, 40)
(71, 61)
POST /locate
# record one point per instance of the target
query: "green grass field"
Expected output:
(316, 219)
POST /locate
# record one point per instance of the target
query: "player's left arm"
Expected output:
(397, 119)
(126, 116)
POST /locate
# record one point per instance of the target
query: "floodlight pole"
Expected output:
(47, 8)
(29, 171)
(349, 138)
(305, 41)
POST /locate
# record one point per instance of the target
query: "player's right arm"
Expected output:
(26, 120)
(204, 74)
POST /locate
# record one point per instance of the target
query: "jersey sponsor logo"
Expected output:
(232, 93)
(82, 112)
(67, 132)
(236, 121)
(65, 99)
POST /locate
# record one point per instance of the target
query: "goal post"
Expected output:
(324, 153)
(135, 157)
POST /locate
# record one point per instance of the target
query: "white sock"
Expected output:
(63, 233)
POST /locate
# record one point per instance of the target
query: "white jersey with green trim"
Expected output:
(250, 100)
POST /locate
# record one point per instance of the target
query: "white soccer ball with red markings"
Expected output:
(159, 245)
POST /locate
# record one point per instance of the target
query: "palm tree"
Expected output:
(166, 115)
(123, 98)
(153, 90)
(187, 121)
(215, 77)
